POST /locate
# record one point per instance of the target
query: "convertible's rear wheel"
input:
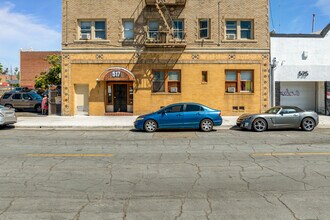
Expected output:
(308, 124)
(8, 106)
(259, 124)
(206, 125)
(150, 126)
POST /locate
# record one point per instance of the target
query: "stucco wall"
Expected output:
(289, 54)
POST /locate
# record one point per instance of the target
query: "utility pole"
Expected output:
(11, 78)
(313, 23)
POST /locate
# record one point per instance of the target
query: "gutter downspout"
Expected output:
(66, 23)
(219, 23)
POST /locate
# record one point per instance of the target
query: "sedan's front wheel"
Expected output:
(206, 125)
(308, 124)
(259, 124)
(150, 126)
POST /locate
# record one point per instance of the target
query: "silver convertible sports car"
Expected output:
(279, 117)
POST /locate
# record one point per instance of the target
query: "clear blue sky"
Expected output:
(36, 24)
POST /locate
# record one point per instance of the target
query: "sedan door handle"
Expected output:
(295, 115)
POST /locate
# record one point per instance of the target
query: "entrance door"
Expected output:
(120, 97)
(81, 99)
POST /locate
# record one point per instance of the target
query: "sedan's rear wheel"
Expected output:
(308, 124)
(206, 125)
(150, 126)
(259, 124)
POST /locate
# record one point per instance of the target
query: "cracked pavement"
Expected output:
(164, 175)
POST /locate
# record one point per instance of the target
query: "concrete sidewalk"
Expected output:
(110, 122)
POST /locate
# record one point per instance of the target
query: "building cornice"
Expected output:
(322, 34)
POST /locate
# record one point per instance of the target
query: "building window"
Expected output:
(158, 81)
(239, 30)
(128, 28)
(204, 76)
(85, 29)
(99, 29)
(204, 28)
(246, 81)
(231, 30)
(174, 81)
(178, 29)
(169, 81)
(92, 30)
(239, 81)
(153, 29)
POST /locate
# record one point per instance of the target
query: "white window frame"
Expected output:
(156, 31)
(239, 29)
(93, 30)
(124, 30)
(208, 20)
(177, 31)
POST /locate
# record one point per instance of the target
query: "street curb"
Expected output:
(113, 128)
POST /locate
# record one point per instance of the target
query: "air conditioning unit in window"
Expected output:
(231, 36)
(85, 36)
(231, 89)
(173, 89)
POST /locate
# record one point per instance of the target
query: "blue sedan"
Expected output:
(180, 115)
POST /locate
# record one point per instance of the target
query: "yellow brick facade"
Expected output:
(84, 62)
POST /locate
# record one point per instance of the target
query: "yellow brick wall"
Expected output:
(85, 69)
(84, 61)
(113, 11)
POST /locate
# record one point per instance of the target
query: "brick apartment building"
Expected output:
(133, 56)
(32, 64)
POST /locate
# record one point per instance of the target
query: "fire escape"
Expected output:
(169, 35)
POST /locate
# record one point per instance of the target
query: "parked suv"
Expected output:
(22, 100)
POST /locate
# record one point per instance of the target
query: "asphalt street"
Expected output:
(224, 174)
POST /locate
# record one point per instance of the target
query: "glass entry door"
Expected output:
(120, 97)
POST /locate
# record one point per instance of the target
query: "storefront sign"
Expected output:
(287, 92)
(302, 74)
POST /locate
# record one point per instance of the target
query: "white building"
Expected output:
(300, 70)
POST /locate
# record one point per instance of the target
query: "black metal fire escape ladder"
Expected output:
(166, 16)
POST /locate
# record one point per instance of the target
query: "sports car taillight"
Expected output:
(220, 114)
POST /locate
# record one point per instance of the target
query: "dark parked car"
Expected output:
(7, 116)
(180, 115)
(279, 117)
(21, 100)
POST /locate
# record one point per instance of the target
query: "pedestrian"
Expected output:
(44, 105)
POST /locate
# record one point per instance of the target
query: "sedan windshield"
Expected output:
(273, 110)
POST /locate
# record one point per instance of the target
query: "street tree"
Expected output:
(52, 76)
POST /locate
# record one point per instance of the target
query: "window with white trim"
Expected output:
(178, 29)
(92, 30)
(153, 29)
(204, 28)
(128, 29)
(239, 30)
